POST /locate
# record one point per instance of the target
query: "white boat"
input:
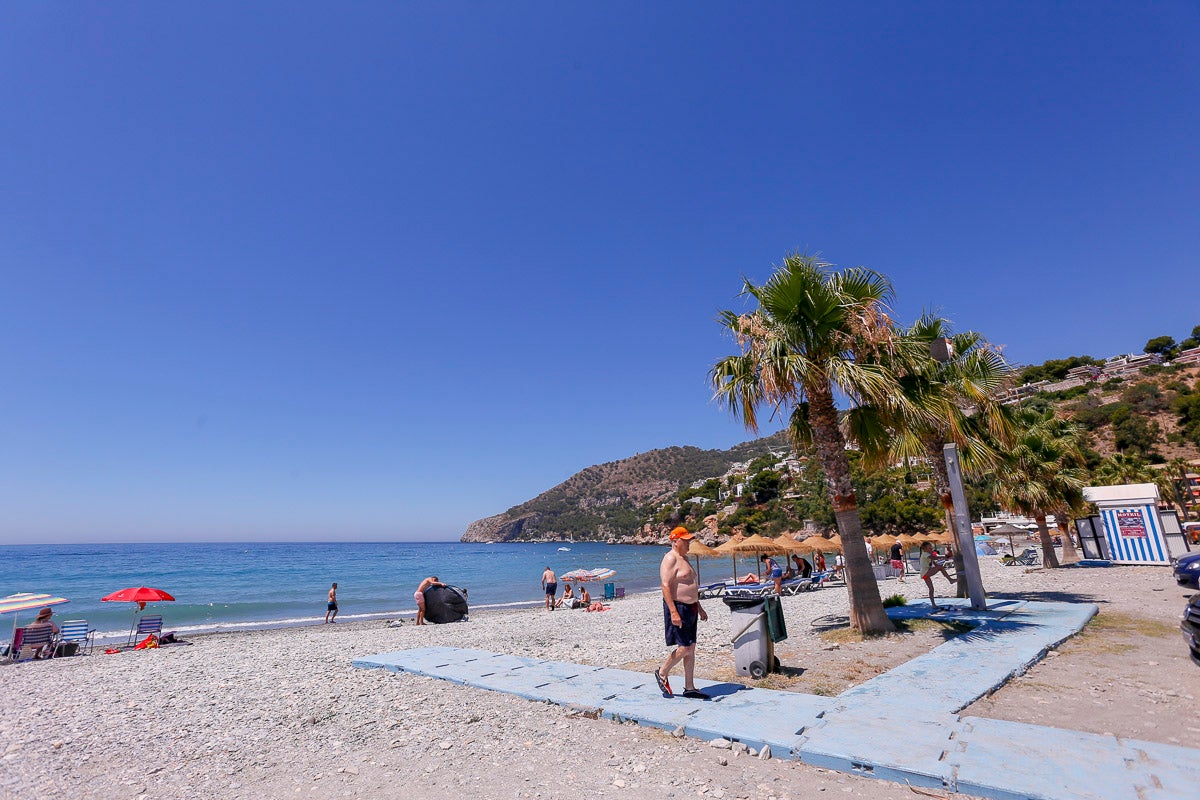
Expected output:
(564, 549)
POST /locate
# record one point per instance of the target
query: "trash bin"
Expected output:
(754, 634)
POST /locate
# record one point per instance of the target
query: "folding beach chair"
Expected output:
(77, 632)
(31, 640)
(610, 591)
(148, 624)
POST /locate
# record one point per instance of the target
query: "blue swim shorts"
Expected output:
(777, 573)
(685, 634)
(551, 588)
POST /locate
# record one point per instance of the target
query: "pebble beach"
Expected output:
(281, 713)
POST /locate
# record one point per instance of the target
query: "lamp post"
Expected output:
(942, 351)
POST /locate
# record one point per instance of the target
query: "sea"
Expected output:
(229, 586)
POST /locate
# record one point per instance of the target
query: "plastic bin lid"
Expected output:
(737, 603)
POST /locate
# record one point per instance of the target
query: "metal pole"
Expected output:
(966, 542)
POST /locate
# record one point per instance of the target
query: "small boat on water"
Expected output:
(564, 549)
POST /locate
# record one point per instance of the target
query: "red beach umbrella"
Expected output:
(137, 594)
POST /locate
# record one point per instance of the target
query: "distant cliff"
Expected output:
(610, 501)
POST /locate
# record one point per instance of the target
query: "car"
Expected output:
(1187, 571)
(1191, 627)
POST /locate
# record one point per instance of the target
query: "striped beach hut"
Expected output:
(1133, 529)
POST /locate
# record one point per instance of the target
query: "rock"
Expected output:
(739, 747)
(620, 784)
(722, 761)
(446, 745)
(678, 733)
(721, 744)
(765, 753)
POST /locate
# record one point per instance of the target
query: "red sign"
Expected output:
(1131, 524)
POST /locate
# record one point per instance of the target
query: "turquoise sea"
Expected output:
(224, 586)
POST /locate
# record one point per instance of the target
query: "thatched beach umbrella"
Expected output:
(819, 544)
(835, 539)
(1008, 531)
(751, 545)
(700, 550)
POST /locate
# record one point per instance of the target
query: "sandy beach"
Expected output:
(281, 713)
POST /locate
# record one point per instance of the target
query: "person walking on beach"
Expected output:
(331, 608)
(681, 608)
(550, 587)
(930, 566)
(897, 555)
(419, 596)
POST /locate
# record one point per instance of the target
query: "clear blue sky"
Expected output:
(375, 270)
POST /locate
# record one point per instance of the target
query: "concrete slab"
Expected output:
(900, 726)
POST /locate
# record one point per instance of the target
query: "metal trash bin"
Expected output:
(757, 625)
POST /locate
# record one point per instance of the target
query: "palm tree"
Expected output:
(958, 397)
(1120, 468)
(1178, 469)
(1042, 471)
(817, 331)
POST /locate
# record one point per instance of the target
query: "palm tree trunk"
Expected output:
(941, 485)
(1070, 554)
(1048, 556)
(867, 614)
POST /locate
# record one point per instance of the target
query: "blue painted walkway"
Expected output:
(879, 728)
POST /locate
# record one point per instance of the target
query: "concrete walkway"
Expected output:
(900, 726)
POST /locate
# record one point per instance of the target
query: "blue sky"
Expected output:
(376, 270)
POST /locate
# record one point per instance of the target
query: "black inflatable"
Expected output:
(445, 604)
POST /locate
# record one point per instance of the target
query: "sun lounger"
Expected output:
(713, 590)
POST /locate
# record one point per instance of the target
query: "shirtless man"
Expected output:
(331, 608)
(550, 587)
(681, 607)
(419, 596)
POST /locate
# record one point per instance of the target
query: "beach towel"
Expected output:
(149, 643)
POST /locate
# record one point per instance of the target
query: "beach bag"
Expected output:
(149, 643)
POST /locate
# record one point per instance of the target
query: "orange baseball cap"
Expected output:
(682, 533)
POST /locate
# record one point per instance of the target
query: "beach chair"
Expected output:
(147, 624)
(77, 632)
(819, 579)
(32, 640)
(750, 589)
(610, 591)
(713, 590)
(1029, 558)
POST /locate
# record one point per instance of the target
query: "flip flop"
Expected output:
(664, 685)
(695, 694)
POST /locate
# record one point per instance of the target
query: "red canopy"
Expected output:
(137, 594)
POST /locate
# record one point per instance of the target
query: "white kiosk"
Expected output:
(1133, 529)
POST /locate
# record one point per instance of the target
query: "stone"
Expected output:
(722, 744)
(765, 753)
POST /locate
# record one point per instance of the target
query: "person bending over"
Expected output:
(419, 596)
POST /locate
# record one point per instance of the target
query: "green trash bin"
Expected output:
(776, 627)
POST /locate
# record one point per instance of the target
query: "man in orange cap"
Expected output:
(681, 608)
